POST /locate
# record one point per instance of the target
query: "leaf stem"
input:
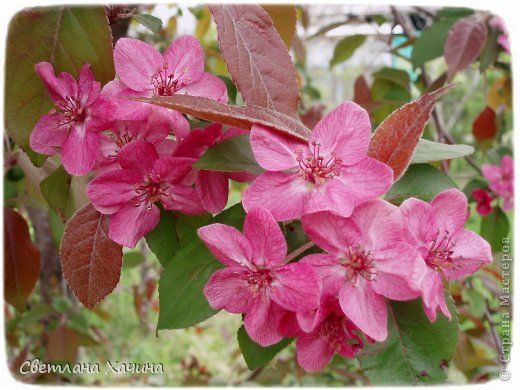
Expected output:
(297, 252)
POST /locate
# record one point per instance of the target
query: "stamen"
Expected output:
(440, 254)
(150, 191)
(314, 167)
(166, 84)
(359, 262)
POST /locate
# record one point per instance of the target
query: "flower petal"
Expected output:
(213, 190)
(365, 308)
(274, 151)
(344, 132)
(331, 272)
(433, 296)
(118, 92)
(419, 222)
(332, 196)
(451, 210)
(130, 223)
(172, 169)
(88, 88)
(265, 237)
(370, 178)
(208, 86)
(184, 199)
(57, 87)
(262, 320)
(284, 195)
(228, 289)
(102, 114)
(47, 135)
(331, 232)
(227, 244)
(80, 150)
(185, 58)
(111, 190)
(139, 156)
(297, 287)
(136, 62)
(313, 351)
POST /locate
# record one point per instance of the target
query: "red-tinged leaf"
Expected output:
(485, 127)
(62, 345)
(464, 44)
(256, 57)
(237, 116)
(313, 115)
(21, 262)
(397, 136)
(362, 94)
(91, 261)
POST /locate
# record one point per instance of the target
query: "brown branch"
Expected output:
(297, 252)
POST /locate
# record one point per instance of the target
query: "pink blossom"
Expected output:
(144, 72)
(501, 180)
(212, 186)
(484, 199)
(257, 280)
(156, 129)
(365, 262)
(331, 332)
(449, 251)
(72, 127)
(329, 173)
(503, 39)
(129, 194)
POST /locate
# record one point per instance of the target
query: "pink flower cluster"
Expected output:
(501, 186)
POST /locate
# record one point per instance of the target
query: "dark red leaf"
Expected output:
(484, 126)
(62, 345)
(21, 262)
(91, 262)
(237, 116)
(256, 57)
(397, 136)
(313, 115)
(362, 94)
(464, 44)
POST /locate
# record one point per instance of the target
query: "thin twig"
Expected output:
(294, 254)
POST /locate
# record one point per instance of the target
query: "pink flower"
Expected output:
(483, 199)
(72, 127)
(129, 194)
(503, 39)
(501, 180)
(257, 280)
(212, 186)
(144, 72)
(330, 173)
(331, 332)
(365, 262)
(449, 250)
(156, 129)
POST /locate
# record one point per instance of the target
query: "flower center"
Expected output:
(440, 253)
(165, 83)
(335, 328)
(359, 262)
(259, 281)
(315, 168)
(150, 191)
(72, 111)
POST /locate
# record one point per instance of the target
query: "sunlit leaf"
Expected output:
(429, 151)
(152, 23)
(345, 48)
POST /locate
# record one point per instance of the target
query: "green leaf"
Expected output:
(152, 23)
(490, 51)
(67, 37)
(395, 76)
(455, 12)
(163, 240)
(181, 298)
(430, 44)
(232, 155)
(429, 151)
(255, 355)
(415, 351)
(346, 48)
(494, 227)
(56, 190)
(231, 89)
(421, 181)
(132, 259)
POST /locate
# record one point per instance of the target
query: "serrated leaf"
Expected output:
(232, 155)
(56, 190)
(152, 23)
(255, 355)
(420, 181)
(247, 38)
(345, 48)
(396, 138)
(416, 350)
(90, 260)
(21, 260)
(429, 151)
(494, 227)
(243, 117)
(67, 37)
(181, 297)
